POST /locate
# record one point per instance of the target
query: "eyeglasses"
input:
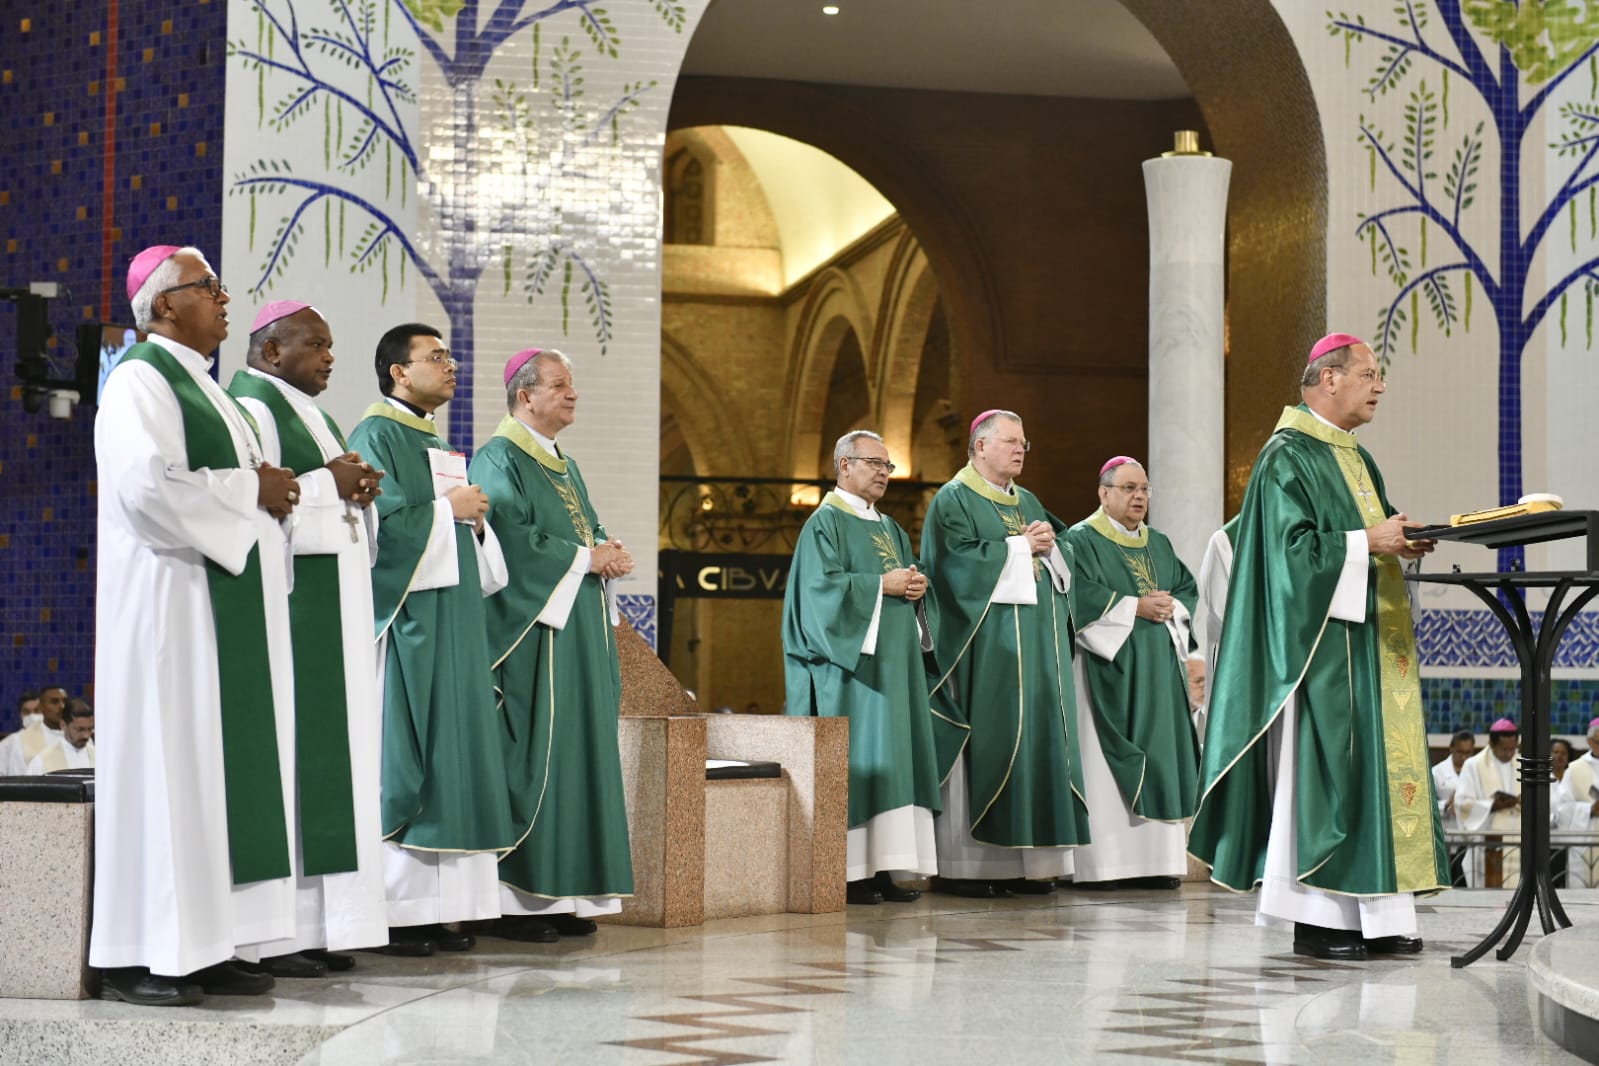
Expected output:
(1132, 490)
(438, 357)
(882, 464)
(1013, 442)
(1368, 377)
(212, 286)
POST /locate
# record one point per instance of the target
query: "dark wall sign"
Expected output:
(723, 576)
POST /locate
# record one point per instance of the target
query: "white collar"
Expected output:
(396, 403)
(181, 350)
(1324, 422)
(547, 443)
(1123, 529)
(862, 508)
(292, 393)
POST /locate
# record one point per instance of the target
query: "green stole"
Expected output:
(403, 545)
(258, 841)
(322, 738)
(1410, 798)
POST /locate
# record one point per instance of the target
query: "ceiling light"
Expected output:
(830, 9)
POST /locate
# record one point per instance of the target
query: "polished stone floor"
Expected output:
(1077, 977)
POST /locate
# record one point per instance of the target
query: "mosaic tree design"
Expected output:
(1532, 49)
(495, 178)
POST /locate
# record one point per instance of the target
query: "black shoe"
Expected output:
(1024, 887)
(296, 965)
(1393, 945)
(137, 985)
(572, 925)
(227, 979)
(335, 961)
(862, 892)
(437, 935)
(525, 929)
(1342, 945)
(405, 949)
(1164, 884)
(967, 888)
(891, 892)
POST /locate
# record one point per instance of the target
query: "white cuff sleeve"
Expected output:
(438, 569)
(492, 576)
(1349, 597)
(1105, 635)
(559, 606)
(869, 645)
(1015, 583)
(1060, 575)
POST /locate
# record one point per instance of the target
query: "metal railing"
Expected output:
(764, 514)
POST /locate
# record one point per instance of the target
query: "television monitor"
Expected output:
(101, 345)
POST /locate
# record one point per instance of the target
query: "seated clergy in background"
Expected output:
(75, 749)
(21, 748)
(1445, 781)
(1133, 601)
(1488, 800)
(1573, 802)
(1006, 705)
(446, 814)
(552, 643)
(853, 638)
(192, 659)
(1591, 756)
(333, 534)
(1315, 780)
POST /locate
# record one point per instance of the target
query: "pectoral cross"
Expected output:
(352, 521)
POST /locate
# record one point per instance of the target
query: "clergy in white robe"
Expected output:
(446, 808)
(75, 749)
(1445, 781)
(1215, 570)
(195, 769)
(333, 534)
(25, 745)
(1488, 801)
(1573, 803)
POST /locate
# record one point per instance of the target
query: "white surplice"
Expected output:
(163, 890)
(1215, 570)
(25, 745)
(61, 756)
(427, 887)
(1480, 778)
(1570, 805)
(344, 910)
(1123, 845)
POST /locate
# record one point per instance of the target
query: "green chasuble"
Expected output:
(561, 688)
(443, 738)
(1140, 697)
(1366, 819)
(1006, 695)
(839, 563)
(321, 723)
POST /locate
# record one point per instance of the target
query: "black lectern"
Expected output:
(1535, 650)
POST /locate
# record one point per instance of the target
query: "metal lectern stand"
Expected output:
(1535, 650)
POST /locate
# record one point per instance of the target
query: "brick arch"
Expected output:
(718, 443)
(910, 296)
(833, 307)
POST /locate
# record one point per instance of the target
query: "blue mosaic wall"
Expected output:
(1475, 702)
(112, 118)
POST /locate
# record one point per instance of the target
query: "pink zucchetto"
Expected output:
(275, 310)
(990, 413)
(144, 264)
(1331, 343)
(518, 361)
(1504, 725)
(1120, 460)
(1592, 725)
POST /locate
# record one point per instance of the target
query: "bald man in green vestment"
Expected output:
(852, 648)
(1316, 783)
(552, 643)
(1005, 705)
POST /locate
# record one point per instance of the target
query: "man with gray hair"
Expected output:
(1005, 704)
(192, 659)
(852, 648)
(553, 648)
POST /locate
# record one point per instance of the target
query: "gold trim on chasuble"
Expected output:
(1141, 565)
(887, 553)
(518, 434)
(1410, 795)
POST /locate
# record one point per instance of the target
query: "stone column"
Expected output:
(1187, 196)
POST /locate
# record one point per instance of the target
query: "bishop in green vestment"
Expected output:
(852, 647)
(1134, 601)
(552, 644)
(1005, 703)
(445, 805)
(1316, 687)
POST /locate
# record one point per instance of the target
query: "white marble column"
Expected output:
(1187, 197)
